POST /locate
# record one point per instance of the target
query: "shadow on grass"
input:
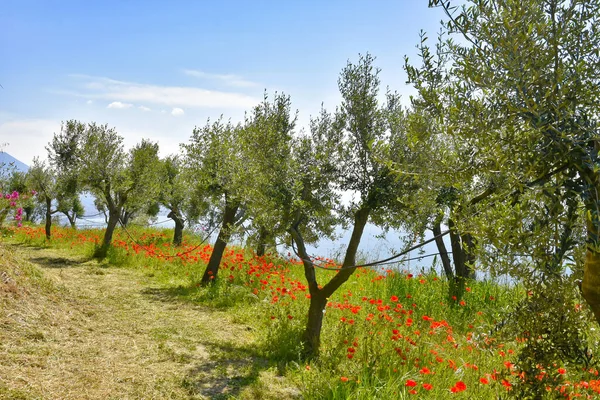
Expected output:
(51, 261)
(172, 294)
(230, 369)
(56, 262)
(233, 367)
(220, 297)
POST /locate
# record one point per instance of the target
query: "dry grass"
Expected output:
(72, 329)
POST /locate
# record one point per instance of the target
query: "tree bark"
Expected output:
(212, 268)
(441, 246)
(463, 258)
(590, 286)
(126, 216)
(361, 217)
(261, 247)
(178, 231)
(468, 248)
(72, 219)
(113, 220)
(48, 226)
(311, 339)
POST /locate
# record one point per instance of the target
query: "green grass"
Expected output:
(383, 330)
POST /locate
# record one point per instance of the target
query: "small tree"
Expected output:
(17, 181)
(358, 126)
(42, 179)
(116, 178)
(63, 155)
(216, 170)
(267, 145)
(70, 206)
(174, 194)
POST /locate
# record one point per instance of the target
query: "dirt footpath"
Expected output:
(111, 333)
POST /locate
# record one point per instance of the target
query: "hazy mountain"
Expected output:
(6, 161)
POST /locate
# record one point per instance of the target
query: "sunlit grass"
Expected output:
(386, 333)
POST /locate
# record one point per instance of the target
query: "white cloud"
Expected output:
(177, 112)
(89, 101)
(144, 108)
(228, 79)
(119, 105)
(27, 138)
(171, 96)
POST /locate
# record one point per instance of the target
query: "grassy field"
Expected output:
(137, 326)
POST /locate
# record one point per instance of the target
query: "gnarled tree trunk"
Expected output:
(311, 338)
(441, 246)
(113, 220)
(212, 268)
(463, 257)
(178, 231)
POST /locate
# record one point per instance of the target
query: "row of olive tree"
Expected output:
(499, 145)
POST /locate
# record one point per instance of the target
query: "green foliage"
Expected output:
(516, 96)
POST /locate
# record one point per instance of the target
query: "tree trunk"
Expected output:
(468, 248)
(261, 247)
(48, 218)
(441, 246)
(457, 285)
(126, 216)
(113, 220)
(73, 221)
(212, 268)
(71, 218)
(311, 339)
(361, 217)
(28, 211)
(590, 286)
(178, 232)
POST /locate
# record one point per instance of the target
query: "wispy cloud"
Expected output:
(26, 138)
(177, 112)
(144, 108)
(119, 105)
(172, 96)
(227, 79)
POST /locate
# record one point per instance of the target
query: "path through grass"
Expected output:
(91, 332)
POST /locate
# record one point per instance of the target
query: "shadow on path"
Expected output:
(230, 369)
(56, 262)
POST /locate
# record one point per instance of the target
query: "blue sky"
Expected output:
(156, 69)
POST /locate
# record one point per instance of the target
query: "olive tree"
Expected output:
(42, 179)
(216, 173)
(359, 168)
(175, 194)
(117, 178)
(267, 146)
(520, 88)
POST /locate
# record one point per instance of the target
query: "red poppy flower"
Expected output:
(458, 387)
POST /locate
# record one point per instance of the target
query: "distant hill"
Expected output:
(6, 160)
